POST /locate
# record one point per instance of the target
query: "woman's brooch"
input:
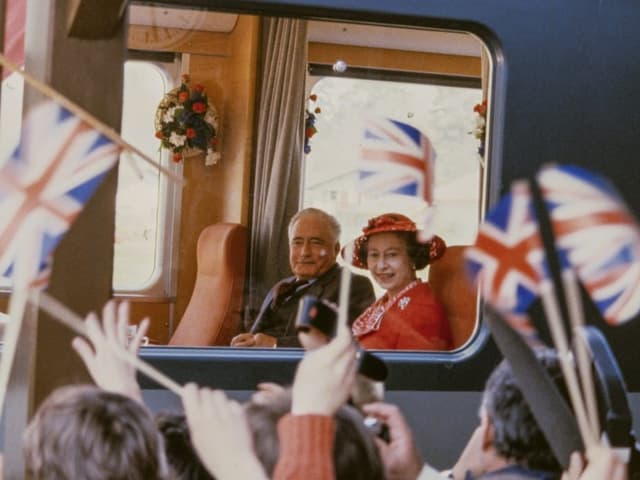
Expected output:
(403, 302)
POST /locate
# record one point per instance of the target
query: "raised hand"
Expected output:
(220, 434)
(106, 368)
(400, 455)
(325, 376)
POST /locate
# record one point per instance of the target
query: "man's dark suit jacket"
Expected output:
(280, 322)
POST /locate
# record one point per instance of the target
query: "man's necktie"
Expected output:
(286, 289)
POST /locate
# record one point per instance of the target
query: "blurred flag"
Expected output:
(15, 15)
(44, 185)
(598, 237)
(396, 158)
(505, 255)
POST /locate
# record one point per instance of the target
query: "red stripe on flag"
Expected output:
(14, 33)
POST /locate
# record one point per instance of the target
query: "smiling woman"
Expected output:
(408, 316)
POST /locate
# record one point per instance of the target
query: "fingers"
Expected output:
(243, 340)
(84, 351)
(137, 340)
(94, 331)
(389, 414)
(576, 465)
(110, 322)
(270, 387)
(123, 323)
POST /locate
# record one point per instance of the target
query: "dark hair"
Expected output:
(418, 252)
(517, 436)
(355, 453)
(84, 432)
(182, 458)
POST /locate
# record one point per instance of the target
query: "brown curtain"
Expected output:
(276, 194)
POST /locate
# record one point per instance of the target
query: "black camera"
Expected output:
(323, 315)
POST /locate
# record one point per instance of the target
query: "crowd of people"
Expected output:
(314, 429)
(308, 431)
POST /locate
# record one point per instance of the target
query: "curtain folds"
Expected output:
(276, 189)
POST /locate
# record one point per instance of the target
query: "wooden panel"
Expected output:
(178, 40)
(159, 314)
(395, 59)
(220, 193)
(94, 18)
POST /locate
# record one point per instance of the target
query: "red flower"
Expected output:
(310, 132)
(198, 87)
(191, 132)
(159, 134)
(183, 96)
(481, 108)
(313, 97)
(177, 157)
(199, 107)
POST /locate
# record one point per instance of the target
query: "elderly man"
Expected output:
(313, 248)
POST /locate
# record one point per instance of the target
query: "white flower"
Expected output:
(169, 115)
(177, 140)
(212, 157)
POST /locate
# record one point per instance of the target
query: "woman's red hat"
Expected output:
(390, 222)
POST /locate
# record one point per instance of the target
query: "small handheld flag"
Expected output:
(598, 236)
(502, 255)
(44, 185)
(396, 158)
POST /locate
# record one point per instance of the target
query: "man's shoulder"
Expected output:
(518, 472)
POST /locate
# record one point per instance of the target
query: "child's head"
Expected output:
(355, 452)
(84, 432)
(183, 460)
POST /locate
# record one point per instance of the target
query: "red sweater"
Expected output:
(306, 448)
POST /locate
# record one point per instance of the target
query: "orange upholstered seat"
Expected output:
(214, 311)
(449, 282)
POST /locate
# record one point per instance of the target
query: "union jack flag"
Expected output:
(396, 158)
(599, 237)
(507, 253)
(43, 186)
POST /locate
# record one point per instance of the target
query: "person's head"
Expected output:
(355, 453)
(390, 250)
(508, 432)
(184, 463)
(313, 243)
(84, 432)
(516, 434)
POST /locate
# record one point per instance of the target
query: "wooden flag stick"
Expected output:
(345, 288)
(86, 117)
(576, 314)
(17, 304)
(65, 316)
(552, 310)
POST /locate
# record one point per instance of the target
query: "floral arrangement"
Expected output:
(310, 121)
(187, 124)
(480, 132)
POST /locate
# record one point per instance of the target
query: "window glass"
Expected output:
(141, 201)
(443, 113)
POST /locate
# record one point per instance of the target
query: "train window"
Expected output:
(145, 202)
(442, 111)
